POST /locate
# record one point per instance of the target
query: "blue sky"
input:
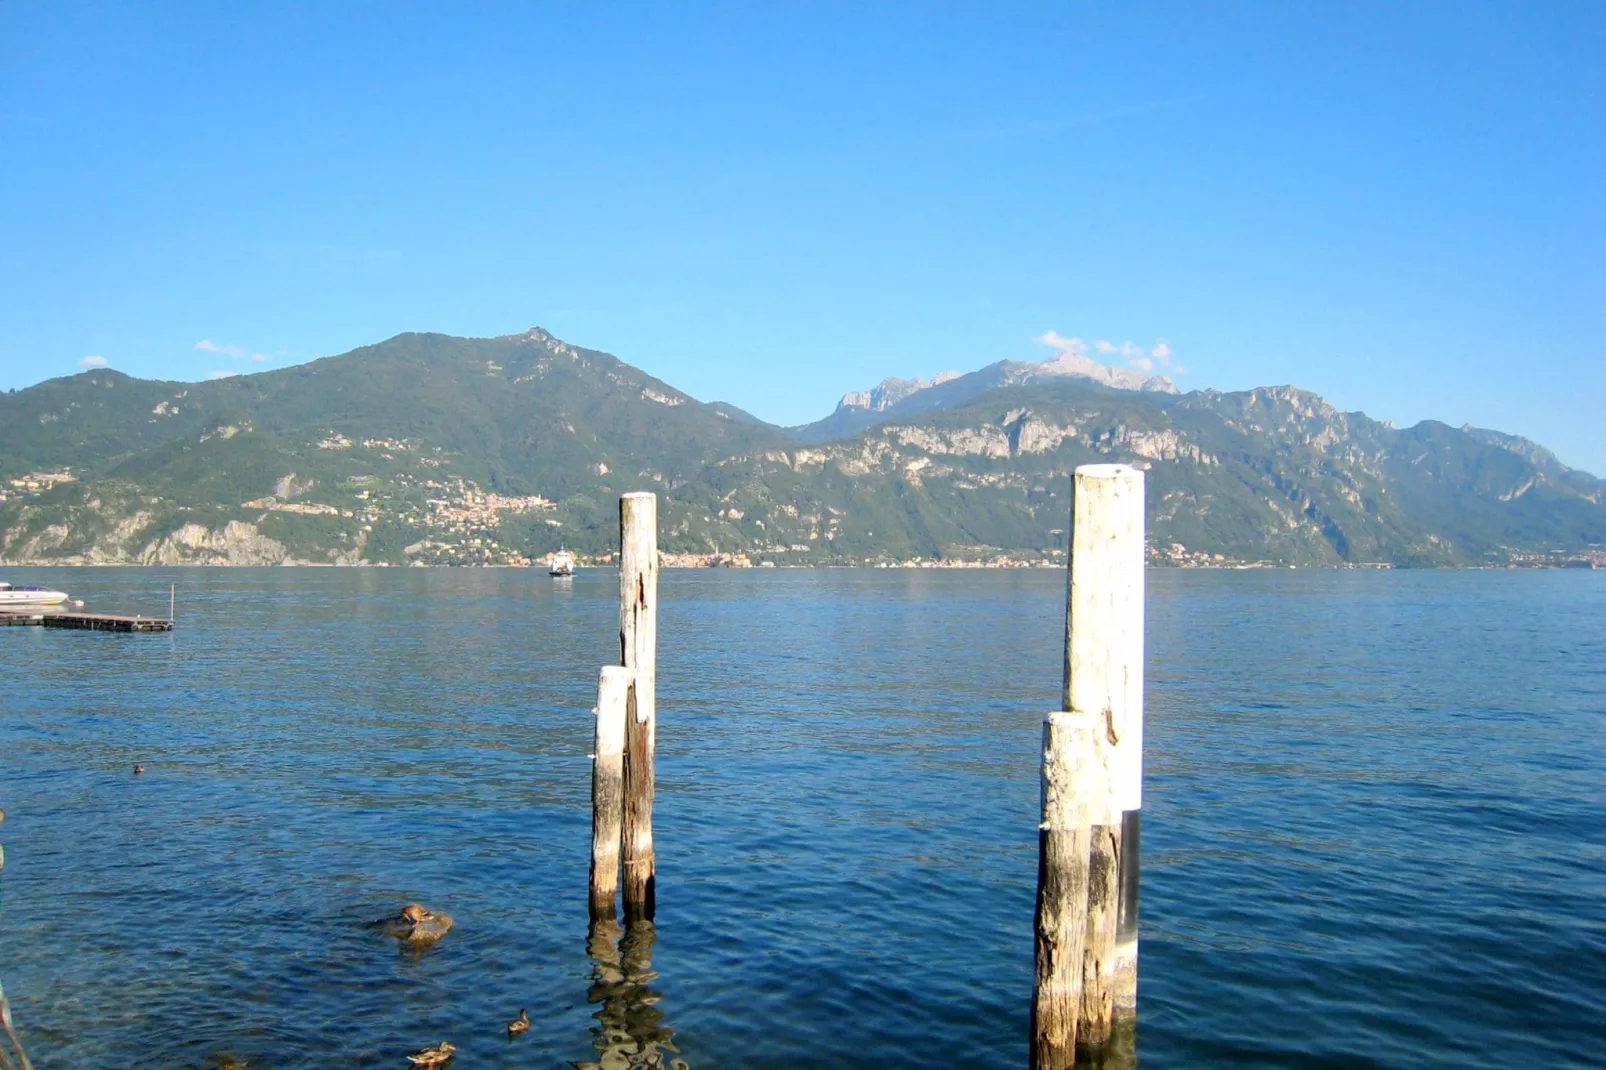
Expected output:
(1402, 207)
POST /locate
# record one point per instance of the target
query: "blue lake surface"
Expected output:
(1374, 828)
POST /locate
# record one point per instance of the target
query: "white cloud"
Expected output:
(1065, 345)
(259, 356)
(206, 345)
(221, 374)
(96, 361)
(1160, 355)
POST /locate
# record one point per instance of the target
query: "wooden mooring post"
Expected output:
(1070, 785)
(1103, 686)
(638, 649)
(22, 1062)
(608, 789)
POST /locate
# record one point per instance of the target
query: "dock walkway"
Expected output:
(100, 622)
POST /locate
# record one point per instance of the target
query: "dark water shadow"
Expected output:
(630, 1030)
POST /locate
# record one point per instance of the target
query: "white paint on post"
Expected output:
(1104, 620)
(607, 788)
(1103, 677)
(613, 690)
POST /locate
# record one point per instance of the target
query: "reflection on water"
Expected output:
(630, 1030)
(1121, 1053)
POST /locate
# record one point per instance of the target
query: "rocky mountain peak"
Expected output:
(544, 338)
(891, 391)
(1527, 449)
(1304, 402)
(1080, 366)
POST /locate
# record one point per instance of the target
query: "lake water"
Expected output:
(1374, 830)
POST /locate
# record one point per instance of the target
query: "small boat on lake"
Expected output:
(14, 595)
(562, 564)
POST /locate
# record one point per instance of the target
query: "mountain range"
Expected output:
(434, 449)
(901, 399)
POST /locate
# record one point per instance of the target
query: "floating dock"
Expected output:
(99, 622)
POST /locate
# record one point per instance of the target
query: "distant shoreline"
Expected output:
(932, 566)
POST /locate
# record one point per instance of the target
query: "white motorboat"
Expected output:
(13, 595)
(562, 564)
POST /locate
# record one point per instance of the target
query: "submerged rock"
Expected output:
(417, 927)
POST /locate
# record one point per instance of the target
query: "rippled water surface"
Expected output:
(1374, 832)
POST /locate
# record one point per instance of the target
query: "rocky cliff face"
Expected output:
(129, 540)
(889, 392)
(235, 543)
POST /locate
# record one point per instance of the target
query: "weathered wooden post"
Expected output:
(1070, 783)
(11, 1035)
(1104, 678)
(608, 789)
(638, 648)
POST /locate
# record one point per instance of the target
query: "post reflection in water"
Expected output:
(1120, 1054)
(629, 1032)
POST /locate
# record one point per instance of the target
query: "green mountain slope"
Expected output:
(434, 449)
